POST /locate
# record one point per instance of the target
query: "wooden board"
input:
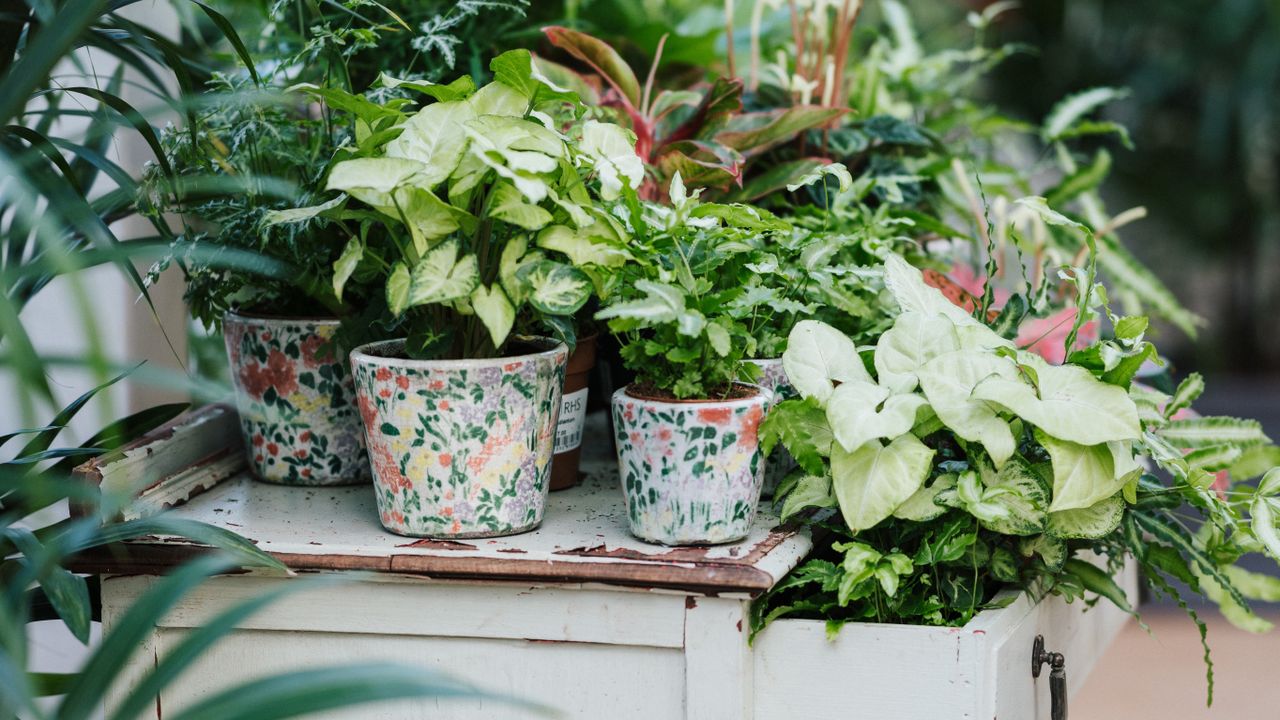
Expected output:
(583, 539)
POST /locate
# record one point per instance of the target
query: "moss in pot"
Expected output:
(482, 212)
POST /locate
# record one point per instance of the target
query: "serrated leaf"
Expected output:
(1075, 108)
(1215, 458)
(873, 481)
(801, 426)
(1195, 433)
(1189, 390)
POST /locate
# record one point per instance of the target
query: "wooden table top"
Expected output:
(583, 537)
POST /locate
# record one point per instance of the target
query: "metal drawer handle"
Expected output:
(1057, 663)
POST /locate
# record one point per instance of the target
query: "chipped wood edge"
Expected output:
(219, 461)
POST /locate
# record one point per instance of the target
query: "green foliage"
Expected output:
(475, 214)
(971, 456)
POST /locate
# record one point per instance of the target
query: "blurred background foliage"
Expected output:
(1204, 113)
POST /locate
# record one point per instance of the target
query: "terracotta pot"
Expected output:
(296, 401)
(460, 448)
(573, 414)
(691, 470)
(779, 462)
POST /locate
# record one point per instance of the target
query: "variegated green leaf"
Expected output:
(507, 204)
(1074, 108)
(1195, 433)
(812, 491)
(921, 506)
(442, 276)
(554, 288)
(1084, 475)
(435, 137)
(398, 289)
(1188, 392)
(1096, 521)
(346, 264)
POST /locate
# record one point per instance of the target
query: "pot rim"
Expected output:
(365, 354)
(762, 395)
(265, 319)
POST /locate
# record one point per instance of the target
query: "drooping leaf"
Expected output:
(1097, 521)
(1096, 580)
(1086, 475)
(811, 491)
(1067, 402)
(602, 58)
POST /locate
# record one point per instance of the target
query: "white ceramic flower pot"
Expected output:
(296, 401)
(691, 470)
(460, 448)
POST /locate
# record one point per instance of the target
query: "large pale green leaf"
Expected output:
(914, 339)
(1084, 475)
(583, 246)
(860, 412)
(495, 310)
(1069, 403)
(499, 99)
(817, 357)
(435, 137)
(507, 204)
(873, 481)
(553, 287)
(907, 285)
(1096, 521)
(442, 276)
(612, 153)
(372, 180)
(519, 150)
(428, 217)
(948, 382)
(921, 506)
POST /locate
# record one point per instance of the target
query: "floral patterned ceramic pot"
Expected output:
(460, 448)
(296, 401)
(692, 470)
(780, 462)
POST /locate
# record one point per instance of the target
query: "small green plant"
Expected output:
(482, 209)
(688, 305)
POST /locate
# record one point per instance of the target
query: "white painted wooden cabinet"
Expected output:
(577, 615)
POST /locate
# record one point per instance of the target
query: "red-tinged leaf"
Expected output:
(602, 58)
(721, 101)
(753, 133)
(698, 172)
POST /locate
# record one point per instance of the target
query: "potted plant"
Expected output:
(476, 212)
(685, 429)
(959, 463)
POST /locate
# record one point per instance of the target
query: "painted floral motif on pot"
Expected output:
(296, 401)
(780, 462)
(691, 471)
(460, 448)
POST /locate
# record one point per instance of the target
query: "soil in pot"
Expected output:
(460, 448)
(573, 413)
(296, 401)
(691, 470)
